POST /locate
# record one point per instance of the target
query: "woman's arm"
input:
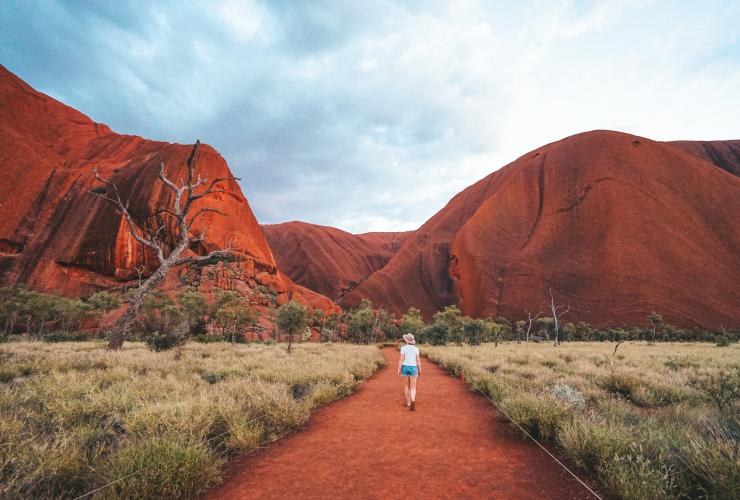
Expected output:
(400, 362)
(418, 363)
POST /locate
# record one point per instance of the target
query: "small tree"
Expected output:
(530, 321)
(722, 387)
(361, 325)
(330, 328)
(495, 330)
(317, 319)
(452, 318)
(520, 330)
(231, 314)
(546, 325)
(475, 330)
(436, 334)
(167, 244)
(12, 301)
(292, 319)
(656, 322)
(412, 322)
(74, 313)
(194, 308)
(556, 312)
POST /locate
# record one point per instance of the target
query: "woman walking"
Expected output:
(409, 366)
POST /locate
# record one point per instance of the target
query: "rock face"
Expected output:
(328, 260)
(55, 236)
(616, 225)
(724, 154)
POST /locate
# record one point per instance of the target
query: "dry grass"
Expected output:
(74, 416)
(645, 422)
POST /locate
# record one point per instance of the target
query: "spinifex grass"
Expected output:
(74, 416)
(648, 421)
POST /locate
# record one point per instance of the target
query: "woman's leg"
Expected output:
(406, 389)
(412, 387)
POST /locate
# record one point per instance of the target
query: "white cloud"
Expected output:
(371, 115)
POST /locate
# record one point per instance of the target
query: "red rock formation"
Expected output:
(329, 260)
(724, 154)
(55, 236)
(616, 225)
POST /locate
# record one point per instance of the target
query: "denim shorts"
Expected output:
(409, 371)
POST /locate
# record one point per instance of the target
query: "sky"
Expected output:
(370, 115)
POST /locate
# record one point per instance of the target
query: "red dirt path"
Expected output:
(370, 445)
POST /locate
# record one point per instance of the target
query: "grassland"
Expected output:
(651, 421)
(75, 417)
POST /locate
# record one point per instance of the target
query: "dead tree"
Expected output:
(531, 319)
(167, 243)
(555, 311)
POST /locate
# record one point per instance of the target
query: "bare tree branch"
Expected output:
(204, 258)
(180, 238)
(555, 311)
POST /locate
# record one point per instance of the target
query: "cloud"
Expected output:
(371, 115)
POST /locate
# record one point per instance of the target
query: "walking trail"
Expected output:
(369, 445)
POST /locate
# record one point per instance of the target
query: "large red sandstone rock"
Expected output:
(724, 154)
(616, 225)
(328, 260)
(55, 236)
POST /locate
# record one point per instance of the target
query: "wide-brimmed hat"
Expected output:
(409, 338)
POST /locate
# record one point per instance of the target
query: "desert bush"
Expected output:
(232, 315)
(569, 395)
(175, 337)
(592, 444)
(539, 414)
(722, 386)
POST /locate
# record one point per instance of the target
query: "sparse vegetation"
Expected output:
(76, 416)
(654, 421)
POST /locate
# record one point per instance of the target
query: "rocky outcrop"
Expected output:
(615, 225)
(56, 236)
(724, 154)
(328, 260)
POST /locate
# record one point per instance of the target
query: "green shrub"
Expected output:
(593, 445)
(722, 387)
(568, 395)
(621, 384)
(169, 340)
(540, 415)
(712, 461)
(162, 467)
(635, 476)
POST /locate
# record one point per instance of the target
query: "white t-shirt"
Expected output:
(409, 353)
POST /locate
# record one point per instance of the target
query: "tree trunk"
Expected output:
(123, 325)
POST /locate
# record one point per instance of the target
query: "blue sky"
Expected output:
(371, 115)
